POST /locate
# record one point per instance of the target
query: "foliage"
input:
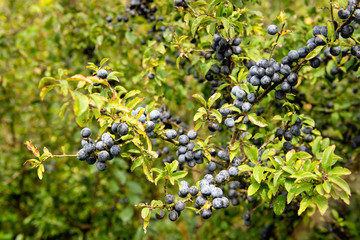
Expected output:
(167, 58)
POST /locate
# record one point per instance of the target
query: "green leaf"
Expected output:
(130, 37)
(200, 99)
(291, 194)
(304, 175)
(341, 183)
(126, 214)
(146, 168)
(319, 189)
(279, 204)
(98, 99)
(316, 145)
(253, 188)
(339, 171)
(234, 152)
(216, 114)
(252, 153)
(276, 177)
(258, 173)
(40, 171)
(214, 3)
(327, 157)
(179, 175)
(131, 94)
(245, 168)
(195, 24)
(156, 203)
(325, 143)
(314, 52)
(131, 105)
(226, 23)
(305, 202)
(343, 196)
(137, 163)
(45, 80)
(103, 62)
(46, 90)
(237, 3)
(289, 169)
(173, 166)
(145, 212)
(298, 155)
(343, 3)
(205, 67)
(321, 202)
(159, 177)
(81, 103)
(331, 31)
(63, 109)
(213, 98)
(268, 153)
(257, 120)
(327, 186)
(64, 87)
(198, 115)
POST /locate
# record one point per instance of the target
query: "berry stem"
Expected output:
(276, 41)
(347, 21)
(331, 10)
(357, 41)
(234, 136)
(64, 155)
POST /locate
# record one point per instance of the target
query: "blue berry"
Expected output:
(173, 215)
(246, 107)
(154, 115)
(109, 142)
(123, 129)
(91, 160)
(101, 166)
(229, 122)
(85, 132)
(233, 171)
(179, 206)
(171, 134)
(206, 213)
(115, 150)
(194, 190)
(272, 29)
(114, 127)
(192, 134)
(82, 155)
(102, 73)
(183, 139)
(100, 146)
(89, 148)
(103, 156)
(211, 166)
(150, 126)
(105, 136)
(169, 198)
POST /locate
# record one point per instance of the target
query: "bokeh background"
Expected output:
(43, 38)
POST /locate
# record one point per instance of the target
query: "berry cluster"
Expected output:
(102, 151)
(295, 131)
(223, 50)
(264, 72)
(142, 8)
(211, 191)
(186, 152)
